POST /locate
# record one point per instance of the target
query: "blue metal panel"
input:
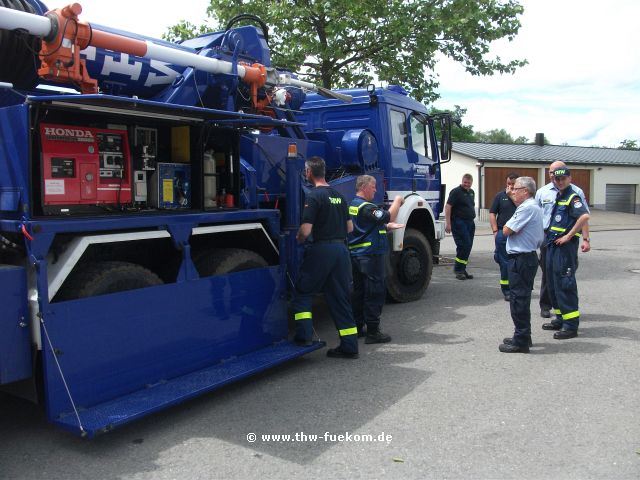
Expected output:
(135, 221)
(113, 345)
(268, 154)
(108, 415)
(136, 105)
(15, 345)
(14, 160)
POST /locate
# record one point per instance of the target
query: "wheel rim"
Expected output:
(411, 268)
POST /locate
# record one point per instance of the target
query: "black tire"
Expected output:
(409, 271)
(101, 278)
(227, 260)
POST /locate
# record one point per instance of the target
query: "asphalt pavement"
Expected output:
(438, 402)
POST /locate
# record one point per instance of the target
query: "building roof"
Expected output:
(493, 152)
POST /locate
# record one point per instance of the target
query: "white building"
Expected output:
(609, 177)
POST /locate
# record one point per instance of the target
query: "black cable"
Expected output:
(249, 16)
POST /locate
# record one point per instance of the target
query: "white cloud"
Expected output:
(145, 17)
(582, 84)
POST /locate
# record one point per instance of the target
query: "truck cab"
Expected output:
(387, 134)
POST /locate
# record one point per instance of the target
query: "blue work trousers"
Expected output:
(368, 290)
(522, 272)
(326, 268)
(562, 263)
(500, 256)
(545, 299)
(463, 232)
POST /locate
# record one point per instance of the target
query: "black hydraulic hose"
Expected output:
(255, 18)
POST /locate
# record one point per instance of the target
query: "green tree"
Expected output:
(184, 30)
(629, 145)
(494, 136)
(343, 43)
(459, 132)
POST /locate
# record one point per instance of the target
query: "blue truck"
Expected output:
(150, 193)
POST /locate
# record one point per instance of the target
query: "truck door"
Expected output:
(424, 171)
(402, 156)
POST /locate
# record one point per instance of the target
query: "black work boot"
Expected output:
(338, 353)
(565, 334)
(509, 341)
(551, 326)
(510, 348)
(377, 337)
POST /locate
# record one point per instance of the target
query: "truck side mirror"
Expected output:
(445, 139)
(373, 98)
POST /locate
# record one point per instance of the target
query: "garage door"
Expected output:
(621, 198)
(494, 180)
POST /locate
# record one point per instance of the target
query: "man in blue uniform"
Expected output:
(501, 211)
(524, 234)
(546, 198)
(459, 214)
(368, 246)
(326, 266)
(568, 218)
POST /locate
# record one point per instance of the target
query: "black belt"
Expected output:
(516, 255)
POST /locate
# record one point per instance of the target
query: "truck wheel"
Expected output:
(100, 278)
(227, 260)
(409, 271)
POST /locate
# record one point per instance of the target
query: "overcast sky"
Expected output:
(581, 87)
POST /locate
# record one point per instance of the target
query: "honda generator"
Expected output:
(84, 169)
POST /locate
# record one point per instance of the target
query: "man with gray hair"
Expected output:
(525, 234)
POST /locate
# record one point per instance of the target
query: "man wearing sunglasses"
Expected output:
(569, 216)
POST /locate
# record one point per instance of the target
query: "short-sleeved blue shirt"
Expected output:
(546, 198)
(526, 222)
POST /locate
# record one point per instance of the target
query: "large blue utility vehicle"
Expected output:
(148, 216)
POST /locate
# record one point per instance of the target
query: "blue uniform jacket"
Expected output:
(568, 208)
(369, 236)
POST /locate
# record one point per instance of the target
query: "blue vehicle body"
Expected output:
(118, 308)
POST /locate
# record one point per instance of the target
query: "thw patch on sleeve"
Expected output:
(378, 213)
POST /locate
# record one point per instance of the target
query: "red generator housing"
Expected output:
(84, 167)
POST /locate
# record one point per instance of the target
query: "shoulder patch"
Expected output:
(577, 204)
(378, 213)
